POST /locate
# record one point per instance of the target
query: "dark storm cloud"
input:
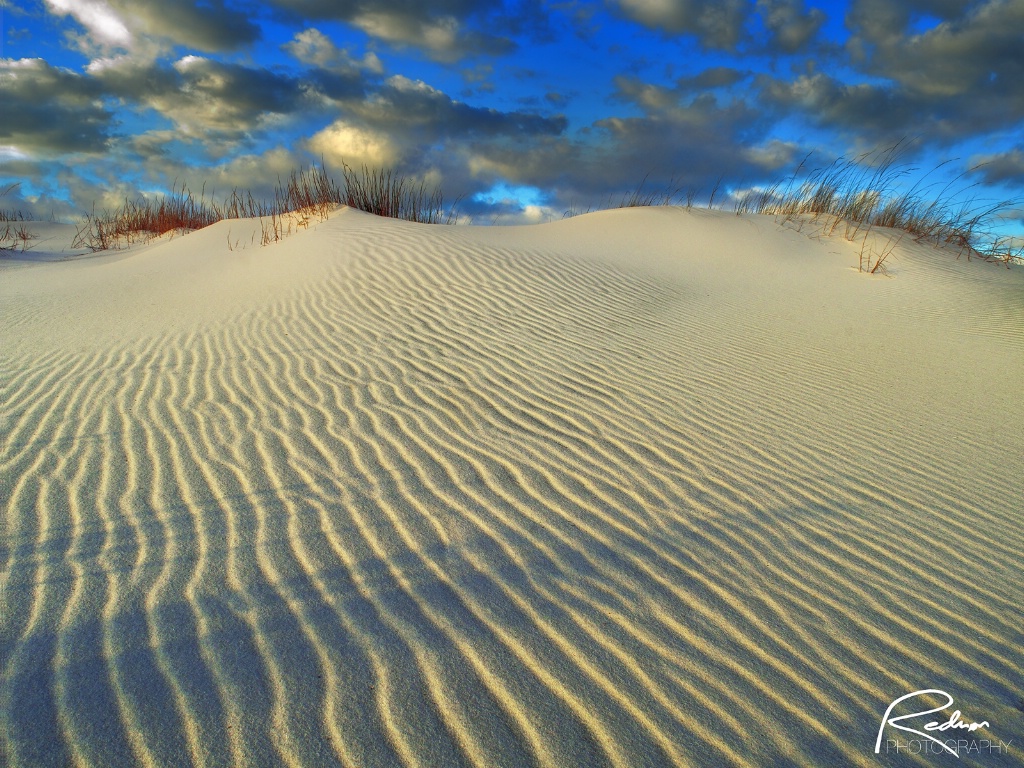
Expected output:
(976, 50)
(242, 93)
(687, 143)
(132, 81)
(692, 141)
(202, 95)
(875, 113)
(961, 74)
(338, 86)
(715, 77)
(964, 69)
(415, 109)
(547, 162)
(51, 110)
(210, 25)
(1005, 167)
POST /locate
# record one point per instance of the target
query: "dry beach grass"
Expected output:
(308, 193)
(854, 195)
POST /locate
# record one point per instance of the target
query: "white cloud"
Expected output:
(444, 37)
(98, 17)
(186, 63)
(341, 142)
(441, 35)
(11, 65)
(10, 153)
(406, 85)
(311, 46)
(656, 11)
(718, 23)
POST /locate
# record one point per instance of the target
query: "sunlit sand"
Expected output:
(639, 488)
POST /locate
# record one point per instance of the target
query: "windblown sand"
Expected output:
(645, 487)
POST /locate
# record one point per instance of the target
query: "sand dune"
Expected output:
(645, 487)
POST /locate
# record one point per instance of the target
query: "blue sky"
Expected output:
(526, 108)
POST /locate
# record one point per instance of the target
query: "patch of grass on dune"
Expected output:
(860, 194)
(143, 219)
(643, 196)
(14, 232)
(382, 192)
(305, 194)
(867, 192)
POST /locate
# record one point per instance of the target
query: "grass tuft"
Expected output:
(306, 194)
(380, 191)
(865, 192)
(14, 232)
(641, 197)
(144, 219)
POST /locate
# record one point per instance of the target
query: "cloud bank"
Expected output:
(577, 101)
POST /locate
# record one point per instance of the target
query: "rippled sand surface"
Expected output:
(641, 488)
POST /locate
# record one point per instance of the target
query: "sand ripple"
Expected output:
(455, 502)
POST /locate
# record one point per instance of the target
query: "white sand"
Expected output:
(645, 487)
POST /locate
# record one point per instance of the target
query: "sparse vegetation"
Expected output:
(1006, 251)
(865, 263)
(14, 232)
(641, 197)
(143, 219)
(861, 194)
(15, 236)
(307, 194)
(381, 192)
(864, 193)
(855, 195)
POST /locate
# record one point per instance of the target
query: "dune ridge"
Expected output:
(645, 487)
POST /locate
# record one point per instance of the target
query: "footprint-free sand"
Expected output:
(645, 487)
